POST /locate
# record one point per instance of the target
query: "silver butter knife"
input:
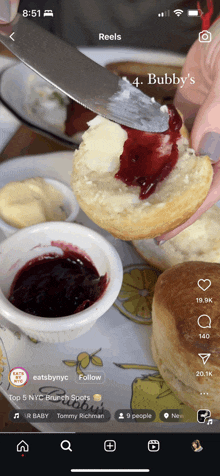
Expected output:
(82, 79)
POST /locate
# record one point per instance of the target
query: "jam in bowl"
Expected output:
(56, 281)
(57, 286)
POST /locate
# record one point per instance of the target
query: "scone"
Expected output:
(136, 184)
(185, 350)
(199, 242)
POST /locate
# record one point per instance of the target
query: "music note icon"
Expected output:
(210, 421)
(16, 415)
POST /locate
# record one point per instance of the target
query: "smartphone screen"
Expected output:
(132, 382)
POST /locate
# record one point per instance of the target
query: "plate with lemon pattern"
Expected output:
(107, 369)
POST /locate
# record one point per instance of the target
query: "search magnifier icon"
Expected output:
(66, 445)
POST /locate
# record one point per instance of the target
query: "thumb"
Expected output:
(205, 136)
(203, 101)
(200, 102)
(212, 197)
(8, 10)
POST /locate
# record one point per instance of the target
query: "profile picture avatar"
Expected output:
(205, 36)
(18, 377)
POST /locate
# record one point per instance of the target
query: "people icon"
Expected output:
(196, 446)
(121, 416)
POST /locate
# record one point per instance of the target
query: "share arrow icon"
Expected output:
(204, 357)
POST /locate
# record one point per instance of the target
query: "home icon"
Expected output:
(22, 446)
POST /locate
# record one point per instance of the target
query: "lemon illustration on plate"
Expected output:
(83, 360)
(136, 294)
(152, 392)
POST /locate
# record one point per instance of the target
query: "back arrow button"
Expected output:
(11, 36)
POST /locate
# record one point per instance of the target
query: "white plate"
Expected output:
(17, 81)
(15, 89)
(117, 339)
(8, 122)
(104, 56)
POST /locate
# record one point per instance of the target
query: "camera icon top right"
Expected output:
(205, 36)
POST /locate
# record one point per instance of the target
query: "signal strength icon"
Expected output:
(178, 12)
(164, 14)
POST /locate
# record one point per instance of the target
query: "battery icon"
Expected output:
(193, 13)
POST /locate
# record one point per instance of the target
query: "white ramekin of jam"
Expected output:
(57, 279)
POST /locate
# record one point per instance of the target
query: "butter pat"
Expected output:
(31, 201)
(103, 145)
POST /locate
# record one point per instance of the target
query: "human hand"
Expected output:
(200, 105)
(8, 10)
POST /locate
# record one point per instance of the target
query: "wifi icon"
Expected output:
(178, 12)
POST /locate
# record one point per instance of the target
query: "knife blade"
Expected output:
(80, 78)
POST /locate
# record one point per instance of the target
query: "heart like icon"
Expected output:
(204, 284)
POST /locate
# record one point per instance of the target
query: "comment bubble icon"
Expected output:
(204, 321)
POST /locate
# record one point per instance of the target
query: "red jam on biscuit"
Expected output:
(148, 158)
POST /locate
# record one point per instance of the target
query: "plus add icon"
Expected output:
(110, 445)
